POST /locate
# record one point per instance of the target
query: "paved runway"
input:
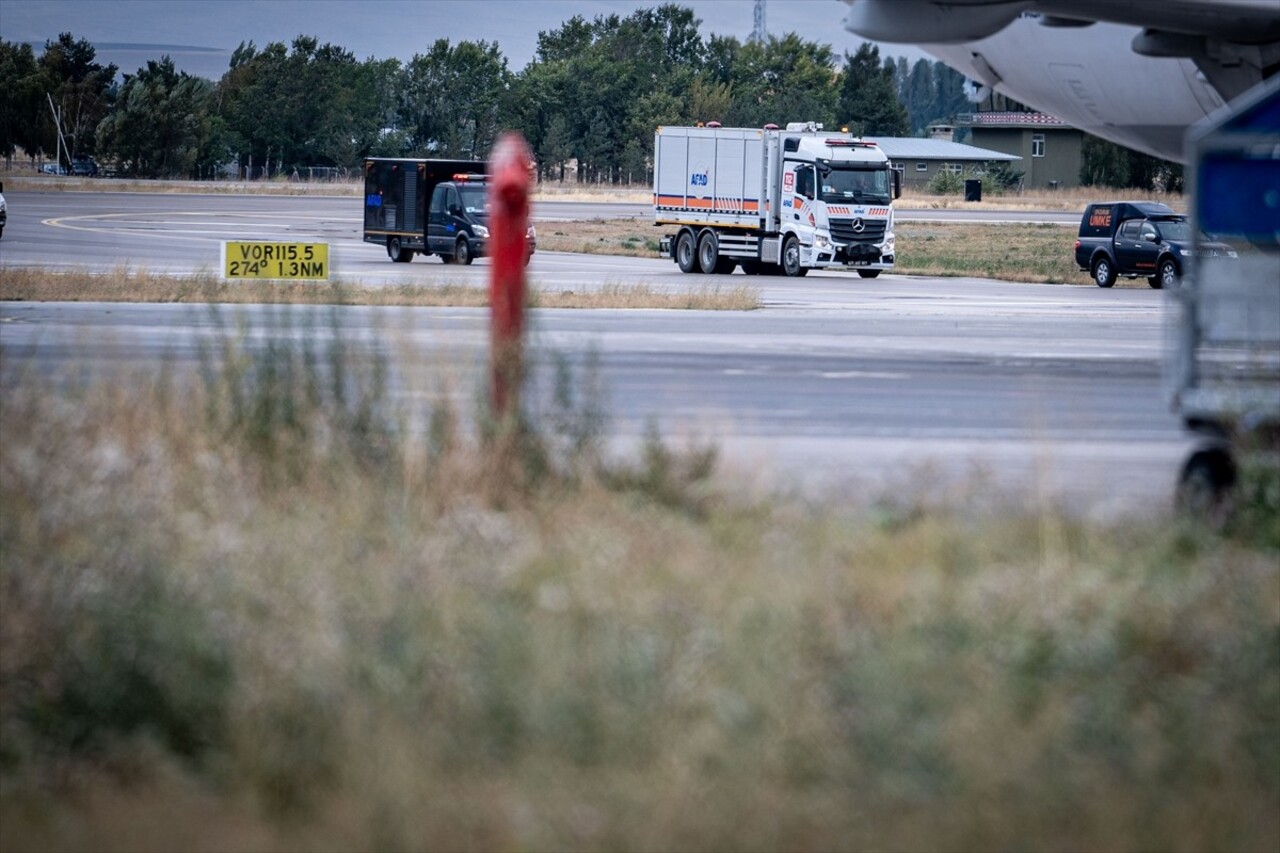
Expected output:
(841, 387)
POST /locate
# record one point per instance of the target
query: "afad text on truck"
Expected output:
(773, 201)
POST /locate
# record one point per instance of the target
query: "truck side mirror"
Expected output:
(897, 183)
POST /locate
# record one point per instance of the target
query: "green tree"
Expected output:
(308, 104)
(156, 126)
(451, 98)
(1106, 164)
(82, 91)
(782, 80)
(869, 102)
(22, 100)
(603, 85)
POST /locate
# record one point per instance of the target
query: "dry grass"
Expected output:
(1073, 200)
(1010, 252)
(629, 236)
(252, 610)
(129, 284)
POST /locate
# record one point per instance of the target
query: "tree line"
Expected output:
(593, 93)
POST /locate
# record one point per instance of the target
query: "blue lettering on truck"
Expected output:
(698, 179)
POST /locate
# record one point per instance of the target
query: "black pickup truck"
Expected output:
(1136, 239)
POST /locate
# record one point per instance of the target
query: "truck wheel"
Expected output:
(708, 252)
(868, 273)
(725, 266)
(1103, 272)
(791, 258)
(398, 253)
(686, 257)
(1166, 277)
(1205, 486)
(462, 252)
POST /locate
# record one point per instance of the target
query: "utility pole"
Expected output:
(758, 30)
(57, 123)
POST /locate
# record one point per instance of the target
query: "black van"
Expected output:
(429, 207)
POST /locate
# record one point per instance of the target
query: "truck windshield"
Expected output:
(856, 186)
(475, 199)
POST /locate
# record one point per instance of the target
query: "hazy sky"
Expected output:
(200, 34)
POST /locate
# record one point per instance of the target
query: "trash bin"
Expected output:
(973, 190)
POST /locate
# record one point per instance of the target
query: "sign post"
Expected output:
(508, 223)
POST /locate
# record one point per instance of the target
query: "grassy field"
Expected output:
(1012, 252)
(1015, 252)
(253, 608)
(1073, 199)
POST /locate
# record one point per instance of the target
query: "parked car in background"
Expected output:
(84, 166)
(52, 169)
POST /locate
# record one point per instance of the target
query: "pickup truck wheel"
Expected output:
(1103, 272)
(397, 252)
(868, 273)
(1167, 276)
(462, 252)
(791, 258)
(1206, 485)
(708, 252)
(686, 256)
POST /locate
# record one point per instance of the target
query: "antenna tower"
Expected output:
(757, 30)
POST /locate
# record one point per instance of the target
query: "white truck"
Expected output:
(773, 201)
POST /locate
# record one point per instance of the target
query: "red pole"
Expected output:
(509, 169)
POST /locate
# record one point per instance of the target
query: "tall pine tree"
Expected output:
(869, 102)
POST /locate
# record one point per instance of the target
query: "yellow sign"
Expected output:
(245, 259)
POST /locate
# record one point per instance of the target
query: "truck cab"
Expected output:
(841, 206)
(457, 219)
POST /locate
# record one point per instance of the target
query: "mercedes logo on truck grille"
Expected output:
(858, 226)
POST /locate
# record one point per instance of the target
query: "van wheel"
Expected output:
(1103, 272)
(791, 258)
(462, 252)
(868, 273)
(397, 252)
(1167, 276)
(686, 256)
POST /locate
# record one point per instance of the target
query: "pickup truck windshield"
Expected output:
(1174, 229)
(856, 186)
(475, 199)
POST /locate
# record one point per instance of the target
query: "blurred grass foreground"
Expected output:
(254, 607)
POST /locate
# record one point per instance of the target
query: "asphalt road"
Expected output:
(840, 387)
